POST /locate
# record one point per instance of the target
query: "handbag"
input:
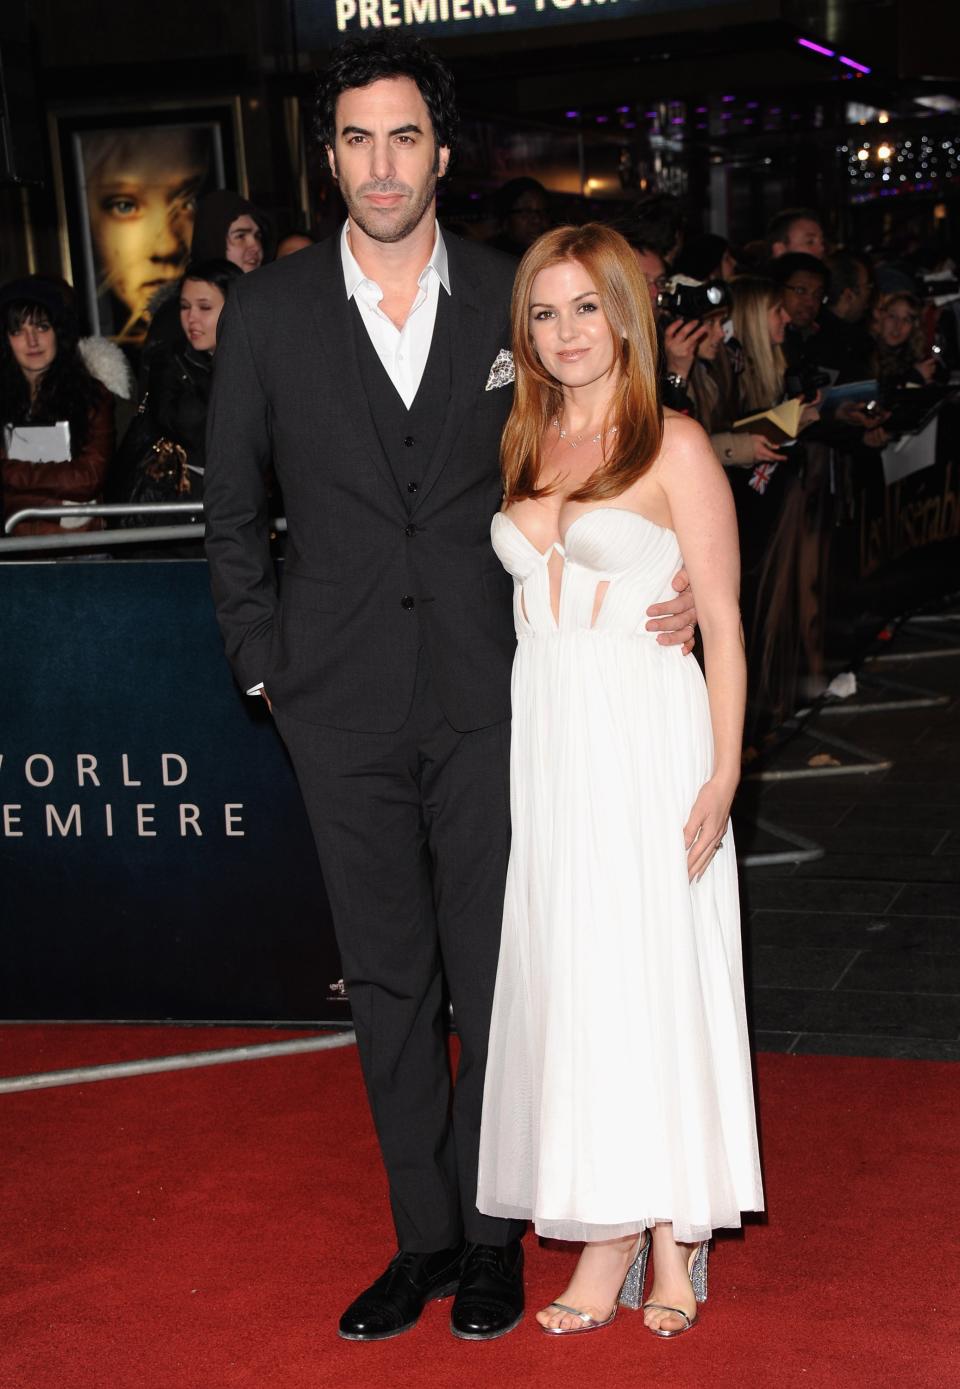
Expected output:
(152, 468)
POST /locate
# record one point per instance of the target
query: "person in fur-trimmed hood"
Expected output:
(44, 380)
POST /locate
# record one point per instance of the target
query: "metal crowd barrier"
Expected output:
(109, 539)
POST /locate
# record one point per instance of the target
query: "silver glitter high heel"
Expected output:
(630, 1295)
(697, 1270)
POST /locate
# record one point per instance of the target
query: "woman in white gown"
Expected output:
(618, 1106)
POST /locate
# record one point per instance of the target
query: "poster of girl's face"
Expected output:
(131, 188)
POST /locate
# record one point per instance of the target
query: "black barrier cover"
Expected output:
(901, 548)
(155, 854)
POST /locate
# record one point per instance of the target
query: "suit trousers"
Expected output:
(413, 833)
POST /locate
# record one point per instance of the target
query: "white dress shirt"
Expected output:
(403, 351)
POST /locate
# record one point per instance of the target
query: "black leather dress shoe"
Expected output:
(489, 1301)
(394, 1302)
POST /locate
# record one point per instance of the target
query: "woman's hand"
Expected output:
(810, 413)
(680, 342)
(927, 369)
(707, 824)
(764, 451)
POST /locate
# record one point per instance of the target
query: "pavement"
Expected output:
(856, 951)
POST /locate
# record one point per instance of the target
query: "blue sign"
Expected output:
(155, 853)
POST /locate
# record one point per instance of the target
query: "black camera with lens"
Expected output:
(690, 299)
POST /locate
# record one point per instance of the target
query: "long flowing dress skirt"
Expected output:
(618, 1087)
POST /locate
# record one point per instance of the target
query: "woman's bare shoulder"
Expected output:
(686, 455)
(681, 434)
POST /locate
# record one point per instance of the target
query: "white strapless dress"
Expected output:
(618, 1085)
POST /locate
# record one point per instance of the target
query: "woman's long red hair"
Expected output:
(635, 410)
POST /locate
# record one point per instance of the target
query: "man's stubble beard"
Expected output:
(414, 217)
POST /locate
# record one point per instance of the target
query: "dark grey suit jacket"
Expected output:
(338, 645)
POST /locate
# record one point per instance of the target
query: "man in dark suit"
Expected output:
(371, 371)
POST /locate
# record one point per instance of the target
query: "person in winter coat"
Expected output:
(162, 455)
(44, 381)
(181, 390)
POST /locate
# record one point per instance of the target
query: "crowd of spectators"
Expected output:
(789, 319)
(742, 329)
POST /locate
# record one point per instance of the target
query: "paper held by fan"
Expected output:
(37, 443)
(909, 454)
(778, 424)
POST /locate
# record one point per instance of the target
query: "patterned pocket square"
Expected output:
(501, 373)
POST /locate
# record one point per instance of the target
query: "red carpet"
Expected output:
(203, 1230)
(28, 1047)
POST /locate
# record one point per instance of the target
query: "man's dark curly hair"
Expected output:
(359, 61)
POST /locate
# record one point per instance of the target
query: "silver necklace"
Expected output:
(577, 440)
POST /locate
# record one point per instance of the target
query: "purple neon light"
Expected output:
(859, 67)
(817, 48)
(572, 115)
(623, 110)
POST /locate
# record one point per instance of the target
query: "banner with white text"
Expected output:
(323, 22)
(154, 849)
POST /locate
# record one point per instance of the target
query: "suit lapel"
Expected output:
(330, 311)
(467, 365)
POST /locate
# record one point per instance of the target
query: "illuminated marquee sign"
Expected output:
(324, 21)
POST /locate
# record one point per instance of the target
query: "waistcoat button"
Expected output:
(406, 602)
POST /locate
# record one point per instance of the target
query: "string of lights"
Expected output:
(886, 167)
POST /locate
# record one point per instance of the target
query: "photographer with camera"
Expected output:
(698, 311)
(678, 337)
